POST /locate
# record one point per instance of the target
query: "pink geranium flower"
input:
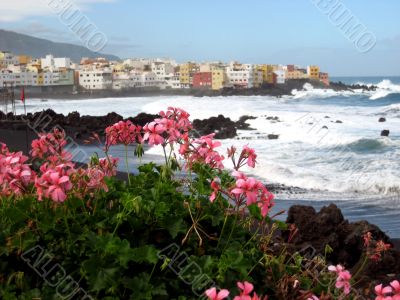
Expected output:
(249, 187)
(109, 165)
(50, 147)
(213, 295)
(245, 287)
(123, 132)
(343, 281)
(54, 184)
(396, 289)
(215, 185)
(266, 203)
(153, 132)
(250, 155)
(381, 292)
(15, 174)
(343, 278)
(205, 152)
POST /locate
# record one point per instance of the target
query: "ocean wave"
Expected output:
(392, 110)
(309, 92)
(384, 89)
(368, 145)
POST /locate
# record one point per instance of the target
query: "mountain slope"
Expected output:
(24, 44)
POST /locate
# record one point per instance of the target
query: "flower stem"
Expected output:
(127, 164)
(232, 230)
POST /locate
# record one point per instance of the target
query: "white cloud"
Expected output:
(16, 10)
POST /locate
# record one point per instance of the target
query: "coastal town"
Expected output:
(61, 74)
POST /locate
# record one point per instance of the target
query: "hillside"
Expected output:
(36, 47)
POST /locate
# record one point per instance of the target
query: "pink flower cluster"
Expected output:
(245, 290)
(109, 166)
(170, 128)
(58, 176)
(343, 278)
(247, 156)
(54, 183)
(123, 132)
(252, 191)
(15, 174)
(204, 152)
(50, 147)
(391, 292)
(375, 248)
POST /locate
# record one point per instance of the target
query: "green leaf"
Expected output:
(255, 211)
(145, 254)
(174, 226)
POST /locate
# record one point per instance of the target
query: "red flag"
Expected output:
(23, 95)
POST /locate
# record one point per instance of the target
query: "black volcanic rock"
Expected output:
(224, 128)
(316, 230)
(242, 125)
(381, 120)
(143, 118)
(385, 132)
(273, 136)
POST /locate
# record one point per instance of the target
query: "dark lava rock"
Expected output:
(241, 124)
(385, 132)
(316, 230)
(73, 118)
(381, 120)
(327, 117)
(325, 127)
(224, 128)
(273, 136)
(339, 122)
(143, 118)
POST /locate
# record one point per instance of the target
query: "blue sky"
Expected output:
(253, 31)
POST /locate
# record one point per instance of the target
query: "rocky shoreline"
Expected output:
(80, 128)
(266, 90)
(315, 230)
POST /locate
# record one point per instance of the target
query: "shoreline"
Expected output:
(16, 140)
(279, 90)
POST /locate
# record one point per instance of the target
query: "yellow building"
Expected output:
(186, 73)
(218, 77)
(258, 77)
(264, 70)
(296, 74)
(313, 72)
(40, 79)
(24, 59)
(270, 73)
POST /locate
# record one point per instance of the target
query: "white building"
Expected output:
(122, 81)
(8, 58)
(100, 79)
(240, 75)
(55, 62)
(146, 79)
(280, 76)
(162, 69)
(18, 76)
(172, 81)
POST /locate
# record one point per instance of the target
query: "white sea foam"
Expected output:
(313, 151)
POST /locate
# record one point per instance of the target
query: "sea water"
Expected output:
(329, 142)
